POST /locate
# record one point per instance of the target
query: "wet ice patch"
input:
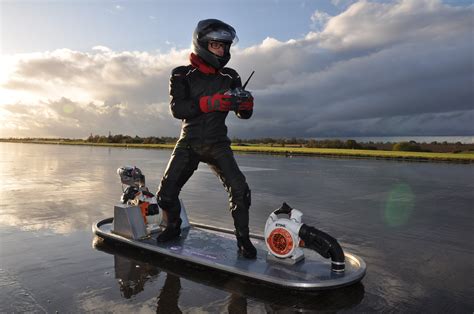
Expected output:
(249, 169)
(242, 168)
(14, 298)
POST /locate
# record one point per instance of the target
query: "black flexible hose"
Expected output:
(325, 245)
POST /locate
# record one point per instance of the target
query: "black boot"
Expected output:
(245, 246)
(172, 230)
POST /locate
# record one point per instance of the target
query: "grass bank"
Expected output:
(293, 151)
(360, 153)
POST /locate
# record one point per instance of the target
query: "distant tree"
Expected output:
(117, 138)
(137, 140)
(90, 138)
(236, 140)
(407, 147)
(352, 144)
(102, 139)
(311, 143)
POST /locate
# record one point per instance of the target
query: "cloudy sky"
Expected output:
(332, 68)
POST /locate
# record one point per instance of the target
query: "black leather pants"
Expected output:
(184, 161)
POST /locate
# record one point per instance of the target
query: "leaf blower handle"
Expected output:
(284, 209)
(325, 245)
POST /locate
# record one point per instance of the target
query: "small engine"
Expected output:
(284, 238)
(137, 194)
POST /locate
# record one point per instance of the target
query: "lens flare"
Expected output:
(68, 108)
(399, 205)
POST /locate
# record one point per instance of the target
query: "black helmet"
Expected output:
(213, 29)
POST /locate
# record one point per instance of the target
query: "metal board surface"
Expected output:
(217, 249)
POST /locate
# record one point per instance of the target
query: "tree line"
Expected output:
(299, 142)
(440, 147)
(127, 139)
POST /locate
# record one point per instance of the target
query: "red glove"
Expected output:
(216, 102)
(246, 105)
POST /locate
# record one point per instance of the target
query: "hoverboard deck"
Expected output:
(216, 248)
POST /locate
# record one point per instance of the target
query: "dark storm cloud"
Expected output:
(376, 69)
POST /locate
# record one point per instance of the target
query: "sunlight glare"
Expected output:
(399, 206)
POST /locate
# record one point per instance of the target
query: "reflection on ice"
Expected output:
(134, 269)
(63, 189)
(46, 187)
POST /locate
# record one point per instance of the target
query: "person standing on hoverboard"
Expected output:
(201, 96)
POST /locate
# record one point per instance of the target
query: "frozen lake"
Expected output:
(411, 222)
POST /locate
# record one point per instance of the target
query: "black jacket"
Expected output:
(187, 86)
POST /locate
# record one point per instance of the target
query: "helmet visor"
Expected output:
(222, 35)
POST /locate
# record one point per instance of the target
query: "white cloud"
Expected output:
(101, 48)
(402, 68)
(319, 20)
(342, 3)
(71, 93)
